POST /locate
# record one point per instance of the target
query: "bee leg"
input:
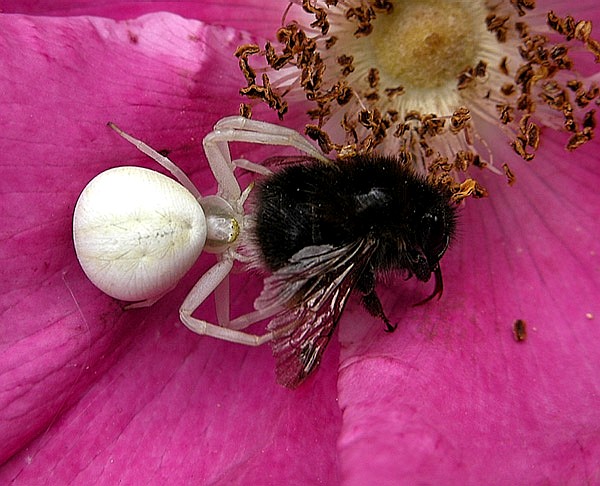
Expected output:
(439, 287)
(374, 307)
(371, 301)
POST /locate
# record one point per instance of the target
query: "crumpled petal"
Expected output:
(451, 397)
(90, 393)
(245, 15)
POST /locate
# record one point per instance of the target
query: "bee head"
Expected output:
(433, 230)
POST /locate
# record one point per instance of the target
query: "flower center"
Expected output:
(431, 80)
(426, 44)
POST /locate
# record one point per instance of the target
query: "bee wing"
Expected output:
(312, 290)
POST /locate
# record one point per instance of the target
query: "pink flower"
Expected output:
(91, 393)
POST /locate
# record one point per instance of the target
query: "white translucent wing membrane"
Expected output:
(312, 290)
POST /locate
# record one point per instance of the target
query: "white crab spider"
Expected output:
(137, 232)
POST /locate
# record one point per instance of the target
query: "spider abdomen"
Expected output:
(137, 232)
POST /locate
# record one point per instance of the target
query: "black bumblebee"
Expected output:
(326, 229)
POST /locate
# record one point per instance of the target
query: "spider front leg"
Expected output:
(206, 286)
(247, 130)
(240, 129)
